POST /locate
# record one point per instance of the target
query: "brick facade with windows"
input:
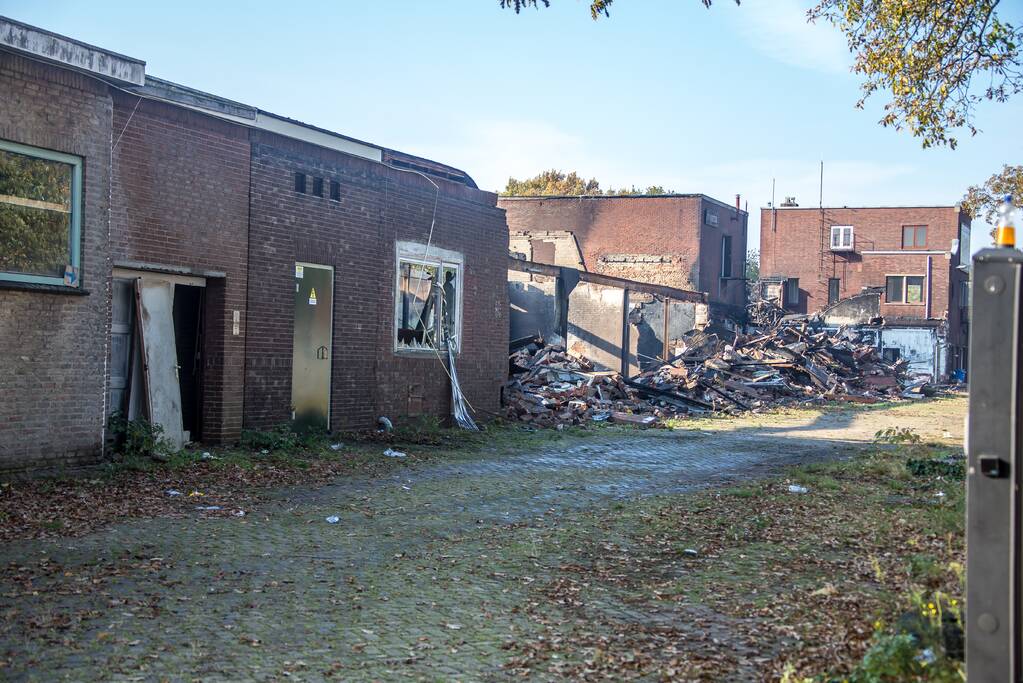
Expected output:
(53, 342)
(673, 240)
(185, 185)
(356, 235)
(886, 241)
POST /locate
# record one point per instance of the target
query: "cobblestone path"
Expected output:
(421, 578)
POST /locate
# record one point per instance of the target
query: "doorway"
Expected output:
(311, 350)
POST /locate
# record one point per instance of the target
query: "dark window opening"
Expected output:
(891, 355)
(188, 340)
(300, 182)
(834, 290)
(318, 187)
(726, 256)
(335, 190)
(792, 292)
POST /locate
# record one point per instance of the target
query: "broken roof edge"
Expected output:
(672, 195)
(129, 74)
(60, 50)
(232, 110)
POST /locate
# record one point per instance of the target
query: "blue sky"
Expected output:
(665, 92)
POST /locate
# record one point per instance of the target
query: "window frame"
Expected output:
(905, 289)
(790, 298)
(417, 254)
(75, 229)
(839, 246)
(916, 231)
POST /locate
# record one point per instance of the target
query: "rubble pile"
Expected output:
(550, 387)
(787, 364)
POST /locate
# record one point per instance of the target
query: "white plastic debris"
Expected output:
(796, 488)
(336, 446)
(391, 453)
(926, 657)
(691, 551)
(939, 494)
(207, 508)
(207, 455)
(173, 492)
(238, 513)
(264, 452)
(333, 519)
(384, 424)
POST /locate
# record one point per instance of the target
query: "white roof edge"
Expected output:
(70, 53)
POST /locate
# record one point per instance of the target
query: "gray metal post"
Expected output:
(993, 474)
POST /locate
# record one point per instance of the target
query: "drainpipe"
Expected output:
(927, 291)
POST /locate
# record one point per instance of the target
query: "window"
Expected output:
(891, 354)
(726, 256)
(841, 238)
(914, 236)
(428, 298)
(834, 290)
(792, 292)
(318, 187)
(710, 218)
(335, 190)
(40, 215)
(904, 289)
(300, 182)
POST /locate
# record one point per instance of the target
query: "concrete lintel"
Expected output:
(70, 53)
(169, 270)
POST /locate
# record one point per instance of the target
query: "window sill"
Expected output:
(43, 289)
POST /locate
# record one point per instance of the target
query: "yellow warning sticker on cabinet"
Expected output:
(312, 297)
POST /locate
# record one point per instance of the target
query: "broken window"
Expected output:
(40, 221)
(841, 237)
(427, 314)
(904, 289)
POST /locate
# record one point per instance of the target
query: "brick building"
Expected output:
(686, 241)
(170, 253)
(917, 258)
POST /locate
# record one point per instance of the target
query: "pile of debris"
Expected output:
(787, 364)
(550, 387)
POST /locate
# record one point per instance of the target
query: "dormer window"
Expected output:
(841, 238)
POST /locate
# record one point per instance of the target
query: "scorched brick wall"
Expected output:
(663, 240)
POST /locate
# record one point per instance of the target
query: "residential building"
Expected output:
(170, 254)
(917, 258)
(685, 241)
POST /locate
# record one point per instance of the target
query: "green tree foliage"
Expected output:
(34, 239)
(983, 200)
(558, 183)
(753, 265)
(937, 58)
(597, 7)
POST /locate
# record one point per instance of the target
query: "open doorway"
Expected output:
(156, 351)
(188, 333)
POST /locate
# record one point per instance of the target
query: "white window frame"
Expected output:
(841, 231)
(75, 228)
(418, 254)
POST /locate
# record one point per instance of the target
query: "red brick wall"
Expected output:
(53, 346)
(180, 189)
(790, 246)
(357, 237)
(673, 227)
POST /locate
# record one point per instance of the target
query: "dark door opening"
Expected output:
(834, 285)
(188, 333)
